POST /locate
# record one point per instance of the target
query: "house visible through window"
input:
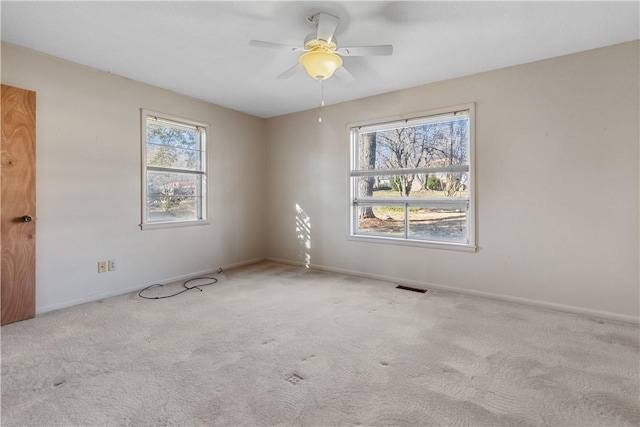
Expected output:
(174, 171)
(412, 180)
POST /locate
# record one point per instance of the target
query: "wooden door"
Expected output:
(18, 205)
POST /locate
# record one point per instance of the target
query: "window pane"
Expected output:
(173, 157)
(434, 185)
(173, 146)
(173, 196)
(385, 221)
(449, 184)
(447, 143)
(173, 136)
(438, 144)
(438, 224)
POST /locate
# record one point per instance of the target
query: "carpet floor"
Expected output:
(272, 344)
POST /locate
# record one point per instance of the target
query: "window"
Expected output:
(411, 180)
(174, 171)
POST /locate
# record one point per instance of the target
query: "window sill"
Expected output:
(462, 247)
(172, 224)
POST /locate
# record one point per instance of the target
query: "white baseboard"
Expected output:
(122, 291)
(242, 263)
(423, 285)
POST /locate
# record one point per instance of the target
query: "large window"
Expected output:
(412, 180)
(174, 166)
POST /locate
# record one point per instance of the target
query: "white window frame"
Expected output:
(355, 202)
(203, 208)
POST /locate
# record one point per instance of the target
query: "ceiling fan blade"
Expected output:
(290, 71)
(344, 75)
(269, 45)
(327, 25)
(379, 50)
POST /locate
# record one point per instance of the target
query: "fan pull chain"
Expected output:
(321, 101)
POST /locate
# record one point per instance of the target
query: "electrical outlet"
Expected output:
(111, 265)
(102, 266)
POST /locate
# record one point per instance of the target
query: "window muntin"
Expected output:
(411, 179)
(174, 171)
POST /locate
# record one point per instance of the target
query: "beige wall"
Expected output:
(557, 185)
(557, 159)
(88, 183)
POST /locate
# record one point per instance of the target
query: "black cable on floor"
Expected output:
(184, 285)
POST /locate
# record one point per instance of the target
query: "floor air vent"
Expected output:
(294, 378)
(408, 288)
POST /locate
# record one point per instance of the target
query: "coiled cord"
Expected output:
(213, 280)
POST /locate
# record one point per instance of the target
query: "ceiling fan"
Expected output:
(322, 56)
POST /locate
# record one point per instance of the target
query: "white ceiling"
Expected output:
(201, 49)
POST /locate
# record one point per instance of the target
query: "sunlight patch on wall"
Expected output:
(303, 231)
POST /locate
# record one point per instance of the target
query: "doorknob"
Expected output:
(26, 218)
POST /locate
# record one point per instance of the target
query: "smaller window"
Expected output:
(174, 171)
(412, 180)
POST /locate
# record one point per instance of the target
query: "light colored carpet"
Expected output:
(272, 344)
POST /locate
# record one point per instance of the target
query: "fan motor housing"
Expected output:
(313, 43)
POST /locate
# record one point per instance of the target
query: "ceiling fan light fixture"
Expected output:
(320, 64)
